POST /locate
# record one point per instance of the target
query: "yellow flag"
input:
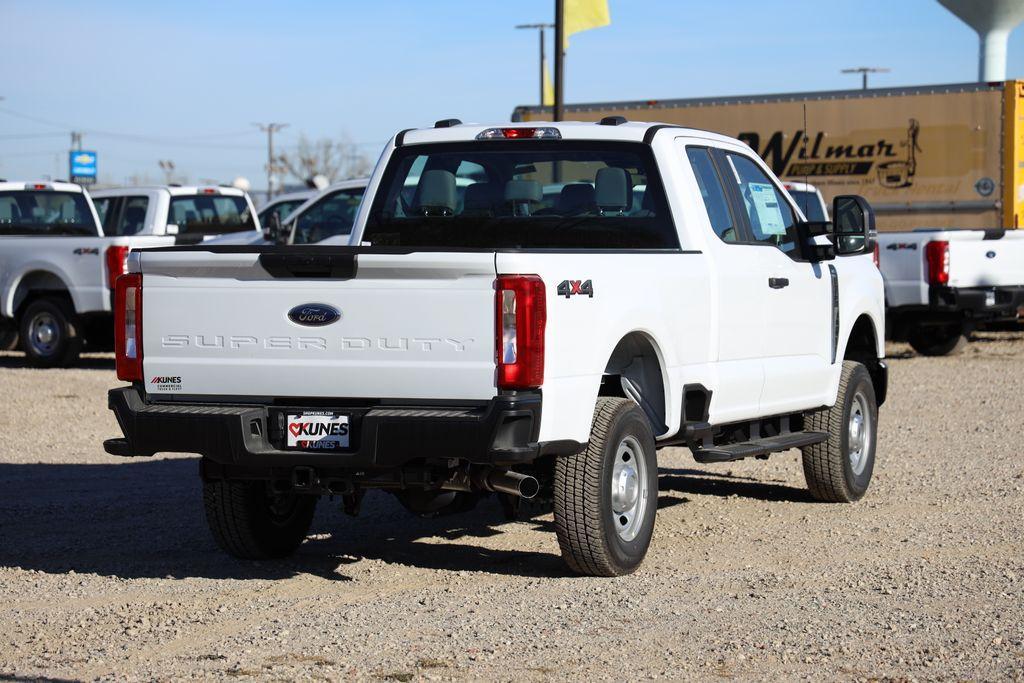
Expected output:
(549, 89)
(581, 15)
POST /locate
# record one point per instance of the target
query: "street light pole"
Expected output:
(559, 60)
(864, 71)
(540, 28)
(270, 129)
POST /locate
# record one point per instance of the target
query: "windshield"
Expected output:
(522, 194)
(810, 204)
(281, 210)
(210, 214)
(35, 212)
(332, 215)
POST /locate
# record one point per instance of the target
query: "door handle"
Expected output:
(778, 282)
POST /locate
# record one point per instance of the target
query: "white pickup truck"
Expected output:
(190, 214)
(57, 271)
(480, 335)
(941, 284)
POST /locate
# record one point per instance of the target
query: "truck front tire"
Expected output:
(838, 470)
(937, 341)
(251, 522)
(606, 498)
(48, 333)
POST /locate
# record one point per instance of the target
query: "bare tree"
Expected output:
(333, 159)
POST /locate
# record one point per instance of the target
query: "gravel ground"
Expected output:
(107, 570)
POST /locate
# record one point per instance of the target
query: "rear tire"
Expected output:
(251, 522)
(838, 470)
(938, 341)
(606, 498)
(48, 333)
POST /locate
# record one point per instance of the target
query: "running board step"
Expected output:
(764, 446)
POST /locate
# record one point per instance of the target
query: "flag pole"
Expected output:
(542, 65)
(559, 59)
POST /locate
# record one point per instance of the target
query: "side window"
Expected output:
(770, 216)
(712, 192)
(106, 209)
(333, 215)
(133, 216)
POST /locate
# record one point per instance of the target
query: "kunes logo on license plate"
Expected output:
(312, 431)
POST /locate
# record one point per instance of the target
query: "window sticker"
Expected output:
(766, 204)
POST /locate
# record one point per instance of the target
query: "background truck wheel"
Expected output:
(839, 469)
(251, 522)
(606, 497)
(49, 337)
(8, 338)
(937, 341)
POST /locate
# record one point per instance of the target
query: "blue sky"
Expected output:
(185, 80)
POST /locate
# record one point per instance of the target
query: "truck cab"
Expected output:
(528, 311)
(187, 213)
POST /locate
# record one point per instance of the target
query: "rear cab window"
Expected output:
(522, 194)
(210, 214)
(45, 212)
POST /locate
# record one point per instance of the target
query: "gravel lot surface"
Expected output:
(107, 569)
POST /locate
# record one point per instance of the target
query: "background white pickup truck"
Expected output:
(57, 269)
(940, 284)
(190, 214)
(490, 333)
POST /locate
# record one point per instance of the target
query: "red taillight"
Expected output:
(117, 263)
(937, 255)
(520, 317)
(876, 256)
(128, 327)
(208, 190)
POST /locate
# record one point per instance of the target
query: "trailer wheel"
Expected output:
(252, 522)
(49, 335)
(838, 470)
(606, 498)
(938, 341)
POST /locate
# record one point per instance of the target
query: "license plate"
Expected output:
(318, 431)
(990, 298)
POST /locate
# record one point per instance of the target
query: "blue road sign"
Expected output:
(83, 167)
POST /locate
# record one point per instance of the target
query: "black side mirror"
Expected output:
(854, 225)
(809, 249)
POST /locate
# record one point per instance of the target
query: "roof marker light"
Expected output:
(520, 134)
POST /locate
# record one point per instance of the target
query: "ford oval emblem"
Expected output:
(990, 254)
(314, 315)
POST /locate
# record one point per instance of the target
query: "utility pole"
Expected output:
(864, 71)
(540, 28)
(559, 60)
(270, 129)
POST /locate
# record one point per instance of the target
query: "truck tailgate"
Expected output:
(411, 326)
(982, 262)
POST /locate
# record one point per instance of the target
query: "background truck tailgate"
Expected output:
(412, 326)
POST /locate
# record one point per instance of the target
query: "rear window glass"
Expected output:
(809, 204)
(210, 214)
(522, 194)
(41, 212)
